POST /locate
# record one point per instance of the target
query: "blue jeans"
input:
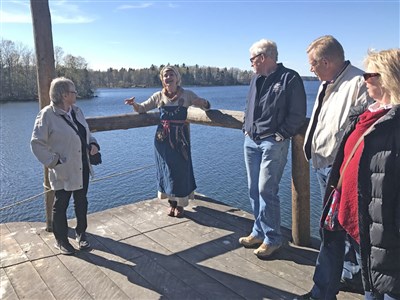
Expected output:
(265, 161)
(323, 176)
(351, 273)
(329, 265)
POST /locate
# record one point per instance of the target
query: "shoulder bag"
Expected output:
(329, 219)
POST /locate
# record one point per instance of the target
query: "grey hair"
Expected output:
(327, 47)
(58, 87)
(267, 47)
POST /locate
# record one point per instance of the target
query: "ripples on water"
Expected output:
(217, 157)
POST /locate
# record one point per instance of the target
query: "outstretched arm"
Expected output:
(131, 101)
(202, 103)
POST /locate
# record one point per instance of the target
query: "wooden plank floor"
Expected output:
(138, 252)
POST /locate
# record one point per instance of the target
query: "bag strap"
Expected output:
(353, 151)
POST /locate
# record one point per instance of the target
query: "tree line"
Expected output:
(19, 76)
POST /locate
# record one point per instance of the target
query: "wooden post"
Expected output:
(45, 73)
(300, 191)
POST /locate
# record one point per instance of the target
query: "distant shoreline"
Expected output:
(305, 78)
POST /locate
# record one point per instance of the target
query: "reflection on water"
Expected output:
(217, 157)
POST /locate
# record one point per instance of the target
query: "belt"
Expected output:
(260, 137)
(277, 137)
(264, 136)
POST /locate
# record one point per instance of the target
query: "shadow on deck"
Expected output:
(138, 252)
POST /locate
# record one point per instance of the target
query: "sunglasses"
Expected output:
(370, 75)
(254, 57)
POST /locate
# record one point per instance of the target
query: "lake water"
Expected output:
(127, 174)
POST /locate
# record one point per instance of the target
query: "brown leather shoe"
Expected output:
(179, 212)
(250, 241)
(265, 250)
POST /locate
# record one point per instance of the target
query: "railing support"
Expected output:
(300, 192)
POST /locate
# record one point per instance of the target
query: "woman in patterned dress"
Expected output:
(172, 144)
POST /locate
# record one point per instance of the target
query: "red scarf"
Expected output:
(348, 207)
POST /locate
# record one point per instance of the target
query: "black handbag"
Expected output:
(94, 159)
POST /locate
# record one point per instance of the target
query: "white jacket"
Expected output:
(347, 91)
(53, 140)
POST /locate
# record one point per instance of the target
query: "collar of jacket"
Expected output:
(355, 112)
(394, 112)
(278, 68)
(346, 64)
(59, 111)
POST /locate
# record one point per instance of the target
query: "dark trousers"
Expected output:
(329, 265)
(61, 202)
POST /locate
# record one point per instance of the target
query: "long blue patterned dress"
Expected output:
(175, 177)
(172, 151)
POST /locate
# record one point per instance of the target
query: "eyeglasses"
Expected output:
(369, 75)
(254, 57)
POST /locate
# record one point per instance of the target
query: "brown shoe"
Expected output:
(265, 250)
(179, 212)
(250, 241)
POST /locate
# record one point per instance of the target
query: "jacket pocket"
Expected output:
(60, 172)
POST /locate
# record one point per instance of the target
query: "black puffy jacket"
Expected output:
(378, 202)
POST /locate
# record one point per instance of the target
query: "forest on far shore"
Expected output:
(19, 75)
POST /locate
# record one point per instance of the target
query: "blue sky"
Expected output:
(136, 34)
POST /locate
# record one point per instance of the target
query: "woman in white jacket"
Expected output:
(60, 140)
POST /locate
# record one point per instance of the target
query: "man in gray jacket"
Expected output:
(341, 89)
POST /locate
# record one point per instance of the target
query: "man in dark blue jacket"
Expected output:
(275, 111)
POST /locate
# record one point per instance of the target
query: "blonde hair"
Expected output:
(173, 69)
(387, 64)
(267, 47)
(327, 47)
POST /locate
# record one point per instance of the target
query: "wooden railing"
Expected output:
(233, 119)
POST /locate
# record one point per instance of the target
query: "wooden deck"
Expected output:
(141, 253)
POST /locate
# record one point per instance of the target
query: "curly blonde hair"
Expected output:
(387, 64)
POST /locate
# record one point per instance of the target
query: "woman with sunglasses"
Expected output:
(369, 208)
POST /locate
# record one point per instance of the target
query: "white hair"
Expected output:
(267, 47)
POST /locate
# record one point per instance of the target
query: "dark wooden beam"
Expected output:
(45, 73)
